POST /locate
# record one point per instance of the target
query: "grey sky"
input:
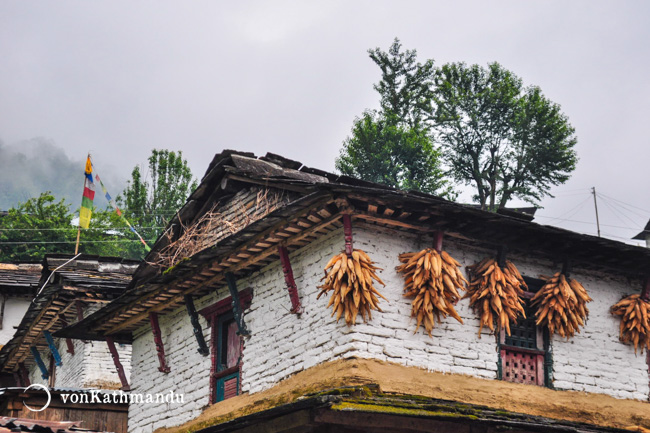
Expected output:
(118, 78)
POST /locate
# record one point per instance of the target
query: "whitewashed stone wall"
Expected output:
(14, 310)
(282, 344)
(91, 366)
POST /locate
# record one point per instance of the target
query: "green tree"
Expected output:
(42, 225)
(393, 146)
(150, 204)
(505, 139)
(36, 227)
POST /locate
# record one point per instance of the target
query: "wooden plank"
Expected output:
(253, 260)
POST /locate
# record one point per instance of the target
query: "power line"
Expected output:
(72, 242)
(576, 208)
(74, 228)
(589, 222)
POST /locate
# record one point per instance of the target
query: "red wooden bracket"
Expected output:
(118, 364)
(296, 308)
(79, 306)
(18, 380)
(24, 374)
(347, 232)
(645, 294)
(160, 348)
(437, 240)
(68, 341)
(80, 310)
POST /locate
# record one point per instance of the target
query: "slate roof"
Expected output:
(321, 200)
(87, 279)
(19, 278)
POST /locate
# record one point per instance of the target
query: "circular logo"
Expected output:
(41, 387)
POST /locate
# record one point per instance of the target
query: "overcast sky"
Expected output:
(118, 78)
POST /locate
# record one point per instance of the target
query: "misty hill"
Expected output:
(31, 167)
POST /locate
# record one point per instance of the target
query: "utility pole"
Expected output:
(593, 191)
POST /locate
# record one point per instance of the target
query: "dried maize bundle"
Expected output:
(495, 294)
(432, 279)
(561, 305)
(635, 321)
(351, 281)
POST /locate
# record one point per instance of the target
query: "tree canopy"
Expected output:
(505, 139)
(42, 225)
(393, 145)
(150, 204)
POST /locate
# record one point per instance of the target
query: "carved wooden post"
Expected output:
(53, 349)
(24, 374)
(437, 240)
(645, 294)
(160, 348)
(198, 331)
(118, 364)
(236, 305)
(347, 233)
(289, 281)
(68, 341)
(39, 361)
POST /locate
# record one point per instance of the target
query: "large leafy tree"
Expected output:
(504, 139)
(150, 201)
(42, 225)
(393, 145)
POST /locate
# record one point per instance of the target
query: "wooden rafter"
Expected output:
(172, 301)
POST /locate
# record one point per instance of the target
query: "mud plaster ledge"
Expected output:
(597, 409)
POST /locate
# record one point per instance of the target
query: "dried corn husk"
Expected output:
(495, 294)
(635, 321)
(561, 305)
(432, 279)
(351, 281)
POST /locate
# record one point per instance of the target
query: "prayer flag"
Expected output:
(88, 196)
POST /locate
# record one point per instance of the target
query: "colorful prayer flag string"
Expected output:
(119, 212)
(88, 196)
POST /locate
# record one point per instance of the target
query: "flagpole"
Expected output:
(76, 247)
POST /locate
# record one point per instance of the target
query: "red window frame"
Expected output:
(215, 315)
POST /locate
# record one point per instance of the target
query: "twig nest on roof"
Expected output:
(432, 279)
(351, 281)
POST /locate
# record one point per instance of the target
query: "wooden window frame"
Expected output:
(216, 314)
(542, 353)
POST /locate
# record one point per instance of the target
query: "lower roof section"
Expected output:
(368, 395)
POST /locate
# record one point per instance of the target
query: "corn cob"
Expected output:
(351, 280)
(495, 294)
(635, 321)
(432, 280)
(561, 305)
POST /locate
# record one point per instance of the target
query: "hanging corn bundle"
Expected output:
(432, 280)
(496, 294)
(635, 321)
(351, 280)
(561, 305)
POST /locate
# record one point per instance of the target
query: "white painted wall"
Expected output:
(15, 309)
(91, 365)
(282, 344)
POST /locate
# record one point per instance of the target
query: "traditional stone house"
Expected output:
(68, 288)
(226, 312)
(18, 284)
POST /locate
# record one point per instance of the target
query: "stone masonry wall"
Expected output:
(282, 344)
(91, 366)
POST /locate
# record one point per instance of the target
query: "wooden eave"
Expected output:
(317, 214)
(58, 301)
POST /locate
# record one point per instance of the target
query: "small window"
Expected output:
(226, 358)
(225, 347)
(525, 355)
